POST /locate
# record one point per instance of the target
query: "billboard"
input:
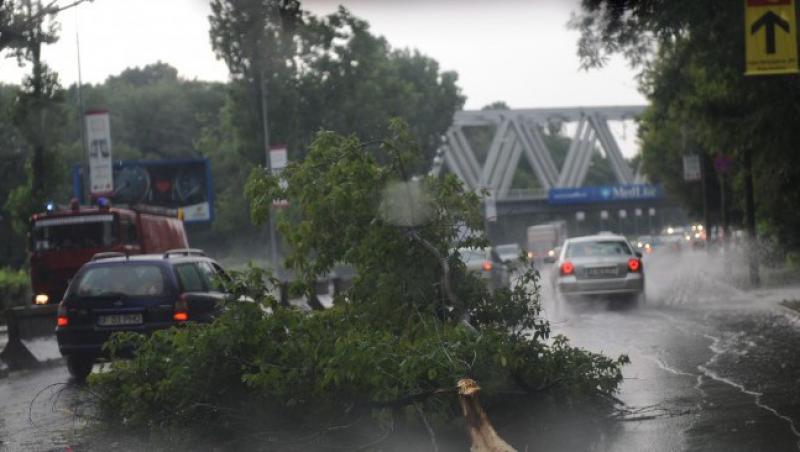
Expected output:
(170, 184)
(584, 195)
(98, 145)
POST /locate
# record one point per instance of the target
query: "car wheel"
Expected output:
(79, 367)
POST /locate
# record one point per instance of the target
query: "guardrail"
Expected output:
(523, 194)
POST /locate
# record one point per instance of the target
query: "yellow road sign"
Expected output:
(770, 31)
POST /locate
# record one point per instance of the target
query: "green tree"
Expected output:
(155, 114)
(691, 61)
(321, 73)
(13, 156)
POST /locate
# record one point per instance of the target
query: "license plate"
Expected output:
(120, 319)
(602, 271)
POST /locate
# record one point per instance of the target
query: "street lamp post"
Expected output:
(579, 217)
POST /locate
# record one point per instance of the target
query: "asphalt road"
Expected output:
(713, 368)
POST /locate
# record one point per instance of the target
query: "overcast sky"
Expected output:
(518, 51)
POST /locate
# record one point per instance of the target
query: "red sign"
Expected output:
(723, 163)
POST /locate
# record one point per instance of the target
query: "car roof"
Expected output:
(150, 258)
(507, 245)
(596, 237)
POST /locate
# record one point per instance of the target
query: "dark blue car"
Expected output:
(143, 293)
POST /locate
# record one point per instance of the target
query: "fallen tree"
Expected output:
(393, 346)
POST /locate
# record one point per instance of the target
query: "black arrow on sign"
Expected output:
(769, 20)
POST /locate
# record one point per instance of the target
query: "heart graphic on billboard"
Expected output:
(163, 186)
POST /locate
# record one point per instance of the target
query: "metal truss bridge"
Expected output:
(518, 134)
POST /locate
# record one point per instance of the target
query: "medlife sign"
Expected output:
(98, 145)
(584, 195)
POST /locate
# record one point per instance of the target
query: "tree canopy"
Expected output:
(413, 323)
(691, 61)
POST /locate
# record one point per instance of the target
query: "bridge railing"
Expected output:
(521, 194)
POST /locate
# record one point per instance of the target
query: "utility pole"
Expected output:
(750, 219)
(273, 252)
(704, 182)
(37, 82)
(81, 107)
(723, 201)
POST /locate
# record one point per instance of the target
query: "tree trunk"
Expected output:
(750, 208)
(484, 437)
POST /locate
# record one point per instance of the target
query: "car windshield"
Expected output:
(128, 279)
(472, 254)
(600, 248)
(507, 249)
(74, 232)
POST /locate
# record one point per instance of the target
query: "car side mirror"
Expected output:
(638, 254)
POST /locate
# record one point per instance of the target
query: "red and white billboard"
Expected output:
(98, 144)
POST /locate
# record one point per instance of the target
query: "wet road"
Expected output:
(713, 369)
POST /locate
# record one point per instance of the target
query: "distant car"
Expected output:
(486, 263)
(645, 244)
(672, 243)
(599, 265)
(142, 293)
(509, 253)
(544, 240)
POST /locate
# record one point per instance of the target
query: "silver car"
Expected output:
(485, 263)
(604, 264)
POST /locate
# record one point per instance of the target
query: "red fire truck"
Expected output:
(62, 240)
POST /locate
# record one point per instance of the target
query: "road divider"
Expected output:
(31, 338)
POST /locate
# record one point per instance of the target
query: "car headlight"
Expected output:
(41, 298)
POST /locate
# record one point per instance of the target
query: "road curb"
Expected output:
(794, 312)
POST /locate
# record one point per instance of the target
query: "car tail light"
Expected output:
(61, 315)
(487, 266)
(567, 268)
(181, 313)
(180, 316)
(634, 265)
